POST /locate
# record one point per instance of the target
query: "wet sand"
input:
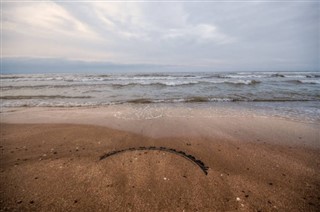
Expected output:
(254, 163)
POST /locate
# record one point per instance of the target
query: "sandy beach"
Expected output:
(154, 105)
(50, 161)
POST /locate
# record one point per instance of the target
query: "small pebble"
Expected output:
(238, 199)
(31, 202)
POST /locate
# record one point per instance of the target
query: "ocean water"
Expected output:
(279, 93)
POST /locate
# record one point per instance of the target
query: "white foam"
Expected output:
(310, 81)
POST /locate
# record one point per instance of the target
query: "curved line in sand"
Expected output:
(191, 158)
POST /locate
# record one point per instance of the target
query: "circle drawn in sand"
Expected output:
(191, 158)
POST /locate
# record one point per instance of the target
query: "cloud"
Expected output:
(43, 18)
(276, 35)
(203, 33)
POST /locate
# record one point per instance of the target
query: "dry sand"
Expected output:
(50, 161)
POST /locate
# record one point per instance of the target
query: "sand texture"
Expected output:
(58, 167)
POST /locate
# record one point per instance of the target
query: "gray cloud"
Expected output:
(217, 36)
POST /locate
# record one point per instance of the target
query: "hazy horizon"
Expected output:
(108, 37)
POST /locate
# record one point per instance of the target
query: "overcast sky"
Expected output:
(170, 36)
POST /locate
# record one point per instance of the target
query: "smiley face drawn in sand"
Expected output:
(191, 158)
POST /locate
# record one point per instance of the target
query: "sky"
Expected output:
(100, 36)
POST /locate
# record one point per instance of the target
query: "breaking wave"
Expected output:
(200, 99)
(307, 81)
(43, 97)
(143, 88)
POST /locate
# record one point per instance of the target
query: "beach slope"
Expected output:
(58, 166)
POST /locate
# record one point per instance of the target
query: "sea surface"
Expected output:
(291, 94)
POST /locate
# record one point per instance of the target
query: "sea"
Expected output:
(285, 94)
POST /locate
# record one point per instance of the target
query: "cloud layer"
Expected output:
(212, 36)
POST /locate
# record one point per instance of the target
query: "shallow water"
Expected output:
(284, 94)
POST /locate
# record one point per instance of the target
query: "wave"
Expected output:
(199, 99)
(137, 83)
(115, 85)
(190, 100)
(28, 79)
(243, 82)
(310, 81)
(103, 77)
(313, 76)
(100, 75)
(43, 97)
(178, 100)
(140, 101)
(206, 99)
(168, 83)
(10, 87)
(241, 76)
(293, 75)
(307, 81)
(9, 77)
(183, 83)
(62, 78)
(267, 75)
(277, 75)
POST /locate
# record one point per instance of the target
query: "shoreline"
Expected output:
(176, 121)
(50, 160)
(308, 116)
